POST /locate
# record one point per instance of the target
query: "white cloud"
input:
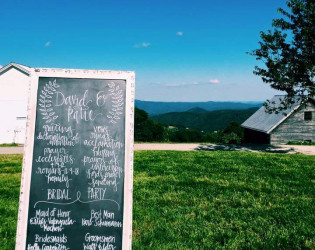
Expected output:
(179, 33)
(47, 44)
(214, 81)
(142, 45)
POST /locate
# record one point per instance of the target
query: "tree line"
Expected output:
(147, 130)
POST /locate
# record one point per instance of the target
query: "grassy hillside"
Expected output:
(206, 121)
(156, 108)
(204, 200)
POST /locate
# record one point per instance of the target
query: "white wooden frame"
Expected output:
(129, 77)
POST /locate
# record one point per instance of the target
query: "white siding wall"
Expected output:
(14, 87)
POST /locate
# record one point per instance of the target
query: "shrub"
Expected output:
(231, 138)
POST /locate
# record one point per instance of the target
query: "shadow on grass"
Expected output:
(264, 148)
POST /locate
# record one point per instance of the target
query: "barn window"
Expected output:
(308, 115)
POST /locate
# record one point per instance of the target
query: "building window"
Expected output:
(308, 115)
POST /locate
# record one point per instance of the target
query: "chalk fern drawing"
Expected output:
(45, 101)
(117, 102)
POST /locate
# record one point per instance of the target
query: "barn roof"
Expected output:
(24, 69)
(264, 122)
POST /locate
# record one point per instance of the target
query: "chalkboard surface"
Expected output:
(77, 179)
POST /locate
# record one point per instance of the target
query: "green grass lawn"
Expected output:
(10, 177)
(303, 143)
(204, 200)
(9, 145)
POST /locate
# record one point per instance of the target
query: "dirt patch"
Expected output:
(167, 146)
(306, 150)
(284, 149)
(11, 150)
(248, 148)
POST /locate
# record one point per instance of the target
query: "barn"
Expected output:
(294, 124)
(14, 85)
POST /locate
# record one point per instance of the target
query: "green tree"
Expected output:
(288, 54)
(146, 129)
(185, 135)
(236, 128)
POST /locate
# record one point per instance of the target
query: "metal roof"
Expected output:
(264, 122)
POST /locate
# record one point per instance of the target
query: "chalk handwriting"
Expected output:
(84, 121)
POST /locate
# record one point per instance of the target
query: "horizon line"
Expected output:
(203, 101)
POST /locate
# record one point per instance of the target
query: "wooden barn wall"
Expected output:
(295, 128)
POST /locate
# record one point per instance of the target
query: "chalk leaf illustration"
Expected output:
(117, 102)
(45, 102)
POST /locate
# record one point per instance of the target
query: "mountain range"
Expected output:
(200, 119)
(157, 108)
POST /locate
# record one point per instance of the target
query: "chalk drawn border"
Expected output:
(45, 102)
(117, 102)
(35, 74)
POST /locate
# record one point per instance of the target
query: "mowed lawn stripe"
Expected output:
(204, 200)
(234, 200)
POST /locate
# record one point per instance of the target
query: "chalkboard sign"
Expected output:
(76, 190)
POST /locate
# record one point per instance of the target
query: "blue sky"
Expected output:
(180, 50)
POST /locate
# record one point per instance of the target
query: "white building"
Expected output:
(14, 87)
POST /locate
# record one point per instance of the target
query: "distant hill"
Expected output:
(197, 110)
(156, 108)
(207, 121)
